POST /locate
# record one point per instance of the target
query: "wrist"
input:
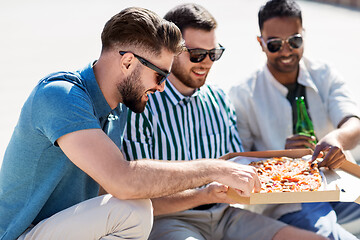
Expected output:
(203, 196)
(215, 170)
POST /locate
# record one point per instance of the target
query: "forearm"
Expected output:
(95, 154)
(153, 178)
(348, 133)
(181, 201)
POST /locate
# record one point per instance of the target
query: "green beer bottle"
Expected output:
(304, 125)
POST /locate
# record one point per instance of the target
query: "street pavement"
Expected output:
(40, 37)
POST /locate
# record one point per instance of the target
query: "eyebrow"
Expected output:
(281, 38)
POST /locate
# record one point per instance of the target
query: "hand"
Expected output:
(334, 156)
(217, 193)
(300, 141)
(242, 178)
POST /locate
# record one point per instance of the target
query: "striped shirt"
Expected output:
(176, 127)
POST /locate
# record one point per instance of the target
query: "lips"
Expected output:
(200, 72)
(288, 60)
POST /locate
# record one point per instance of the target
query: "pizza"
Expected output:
(282, 174)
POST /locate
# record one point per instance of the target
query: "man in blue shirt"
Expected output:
(66, 144)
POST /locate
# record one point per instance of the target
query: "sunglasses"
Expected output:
(198, 54)
(162, 74)
(275, 44)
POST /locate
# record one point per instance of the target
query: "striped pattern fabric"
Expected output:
(175, 127)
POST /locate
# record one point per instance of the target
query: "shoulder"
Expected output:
(246, 88)
(212, 89)
(315, 65)
(61, 92)
(60, 84)
(72, 78)
(320, 71)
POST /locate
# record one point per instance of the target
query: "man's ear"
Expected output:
(127, 61)
(260, 42)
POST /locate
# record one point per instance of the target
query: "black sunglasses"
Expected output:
(275, 44)
(198, 54)
(162, 75)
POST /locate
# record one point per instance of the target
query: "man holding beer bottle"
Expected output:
(266, 111)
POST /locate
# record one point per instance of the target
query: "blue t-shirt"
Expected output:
(37, 180)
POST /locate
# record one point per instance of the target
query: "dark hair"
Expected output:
(278, 8)
(191, 15)
(141, 28)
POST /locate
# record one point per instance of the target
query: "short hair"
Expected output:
(141, 28)
(278, 8)
(191, 15)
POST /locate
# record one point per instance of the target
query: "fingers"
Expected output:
(333, 159)
(244, 179)
(251, 182)
(216, 187)
(317, 153)
(257, 185)
(299, 141)
(299, 144)
(298, 137)
(217, 193)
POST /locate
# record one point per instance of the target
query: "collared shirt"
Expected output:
(264, 114)
(176, 127)
(37, 180)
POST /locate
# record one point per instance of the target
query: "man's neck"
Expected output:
(285, 78)
(102, 73)
(181, 87)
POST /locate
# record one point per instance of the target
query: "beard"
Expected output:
(132, 91)
(180, 73)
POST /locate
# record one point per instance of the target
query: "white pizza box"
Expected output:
(340, 184)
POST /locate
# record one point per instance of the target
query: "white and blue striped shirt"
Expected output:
(176, 127)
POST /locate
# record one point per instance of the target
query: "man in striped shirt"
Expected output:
(192, 120)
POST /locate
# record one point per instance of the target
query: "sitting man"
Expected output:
(192, 120)
(266, 113)
(68, 139)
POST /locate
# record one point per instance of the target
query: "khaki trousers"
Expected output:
(219, 222)
(103, 217)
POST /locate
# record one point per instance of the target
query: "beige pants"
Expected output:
(219, 222)
(104, 217)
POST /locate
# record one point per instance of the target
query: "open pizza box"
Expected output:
(342, 184)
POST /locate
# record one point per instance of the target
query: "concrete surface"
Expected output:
(39, 37)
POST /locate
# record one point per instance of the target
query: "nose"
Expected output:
(286, 48)
(207, 60)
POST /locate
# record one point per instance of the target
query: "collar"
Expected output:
(102, 108)
(176, 97)
(268, 75)
(304, 78)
